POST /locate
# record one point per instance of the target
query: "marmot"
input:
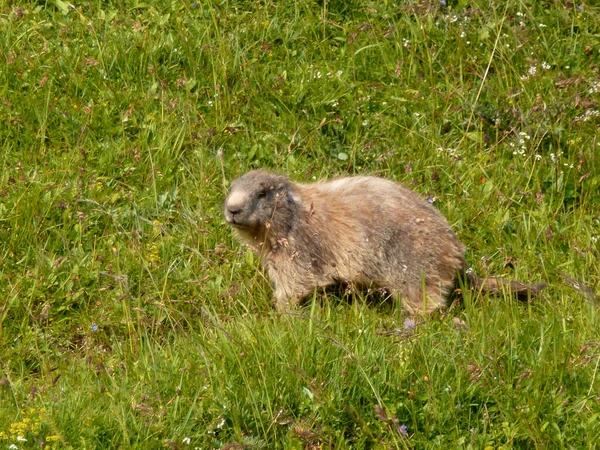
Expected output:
(366, 231)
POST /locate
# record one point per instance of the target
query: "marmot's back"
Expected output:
(396, 237)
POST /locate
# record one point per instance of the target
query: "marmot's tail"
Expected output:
(496, 286)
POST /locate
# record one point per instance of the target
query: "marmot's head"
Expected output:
(260, 201)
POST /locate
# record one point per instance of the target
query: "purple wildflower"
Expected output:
(409, 324)
(403, 430)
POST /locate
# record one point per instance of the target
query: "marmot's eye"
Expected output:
(262, 193)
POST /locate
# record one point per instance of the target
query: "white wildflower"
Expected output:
(595, 87)
(450, 151)
(530, 73)
(587, 115)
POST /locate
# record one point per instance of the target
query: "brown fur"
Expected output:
(366, 231)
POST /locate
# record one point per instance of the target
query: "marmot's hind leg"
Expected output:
(416, 300)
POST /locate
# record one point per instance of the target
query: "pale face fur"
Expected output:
(366, 231)
(255, 201)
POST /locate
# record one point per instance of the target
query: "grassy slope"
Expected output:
(130, 318)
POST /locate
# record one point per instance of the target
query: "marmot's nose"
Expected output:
(233, 210)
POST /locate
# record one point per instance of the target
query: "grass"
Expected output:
(130, 317)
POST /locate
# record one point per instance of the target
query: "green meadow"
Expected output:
(130, 316)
